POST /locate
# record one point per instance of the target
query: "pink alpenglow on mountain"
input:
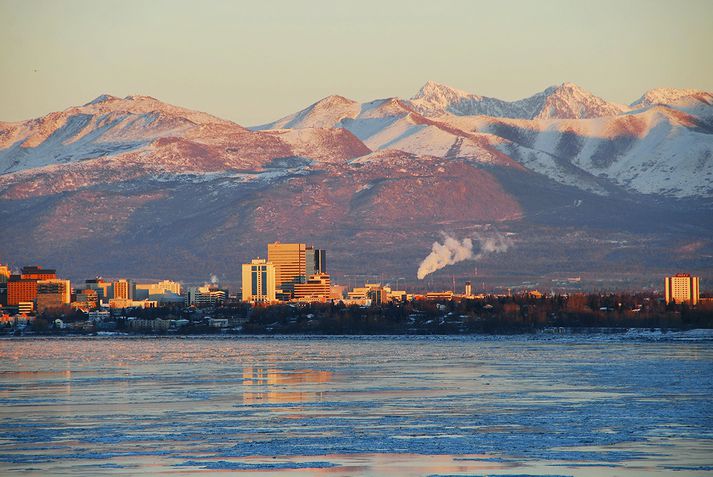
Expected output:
(376, 182)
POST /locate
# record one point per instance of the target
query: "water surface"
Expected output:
(580, 406)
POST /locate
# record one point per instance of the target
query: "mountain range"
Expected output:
(615, 194)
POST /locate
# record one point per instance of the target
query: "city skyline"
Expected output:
(408, 238)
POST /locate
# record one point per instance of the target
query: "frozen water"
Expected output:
(627, 404)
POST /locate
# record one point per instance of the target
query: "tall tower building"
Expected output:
(682, 288)
(259, 281)
(294, 263)
(290, 261)
(468, 289)
(316, 261)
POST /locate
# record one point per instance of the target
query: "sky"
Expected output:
(253, 62)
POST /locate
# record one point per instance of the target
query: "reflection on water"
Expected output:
(270, 385)
(370, 406)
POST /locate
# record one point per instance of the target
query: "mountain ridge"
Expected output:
(375, 182)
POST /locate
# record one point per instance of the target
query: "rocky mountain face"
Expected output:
(583, 187)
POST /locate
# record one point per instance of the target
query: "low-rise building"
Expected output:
(317, 288)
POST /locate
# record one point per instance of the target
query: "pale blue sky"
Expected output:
(252, 62)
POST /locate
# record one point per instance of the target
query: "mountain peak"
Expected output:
(435, 90)
(140, 97)
(666, 96)
(568, 101)
(102, 98)
(333, 100)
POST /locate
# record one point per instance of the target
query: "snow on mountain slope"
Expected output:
(325, 113)
(393, 124)
(654, 151)
(671, 96)
(435, 98)
(564, 101)
(104, 127)
(568, 101)
(323, 144)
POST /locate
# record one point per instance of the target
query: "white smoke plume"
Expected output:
(452, 251)
(214, 278)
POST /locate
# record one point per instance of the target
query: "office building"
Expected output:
(316, 288)
(206, 295)
(19, 290)
(87, 299)
(4, 277)
(103, 288)
(23, 287)
(682, 288)
(37, 273)
(4, 273)
(52, 294)
(124, 289)
(316, 261)
(160, 288)
(290, 262)
(259, 281)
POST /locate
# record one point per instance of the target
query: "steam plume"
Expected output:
(452, 251)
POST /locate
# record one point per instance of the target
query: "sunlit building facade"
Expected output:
(259, 281)
(53, 293)
(160, 288)
(124, 289)
(206, 295)
(4, 273)
(317, 288)
(682, 288)
(290, 262)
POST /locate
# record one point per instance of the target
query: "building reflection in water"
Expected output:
(274, 386)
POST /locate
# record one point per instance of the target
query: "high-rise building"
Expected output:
(53, 293)
(316, 261)
(20, 290)
(259, 281)
(294, 263)
(290, 262)
(124, 289)
(316, 288)
(682, 288)
(468, 289)
(23, 287)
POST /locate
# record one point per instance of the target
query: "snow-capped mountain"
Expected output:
(672, 97)
(566, 101)
(180, 190)
(661, 145)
